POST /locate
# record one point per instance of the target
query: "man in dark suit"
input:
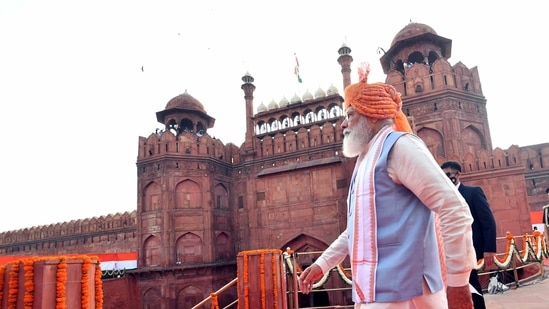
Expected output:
(484, 225)
(546, 218)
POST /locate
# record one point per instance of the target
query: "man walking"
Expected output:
(397, 184)
(484, 225)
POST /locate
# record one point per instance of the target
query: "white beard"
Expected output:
(356, 139)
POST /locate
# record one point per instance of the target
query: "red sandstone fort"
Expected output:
(201, 202)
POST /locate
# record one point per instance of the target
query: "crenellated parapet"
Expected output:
(535, 157)
(422, 79)
(535, 160)
(169, 145)
(516, 178)
(98, 234)
(484, 160)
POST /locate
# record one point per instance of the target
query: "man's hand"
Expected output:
(459, 297)
(309, 276)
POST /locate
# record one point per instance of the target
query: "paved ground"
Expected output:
(529, 295)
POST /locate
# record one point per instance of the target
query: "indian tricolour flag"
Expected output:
(118, 261)
(108, 261)
(296, 70)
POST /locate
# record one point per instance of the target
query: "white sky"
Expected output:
(74, 100)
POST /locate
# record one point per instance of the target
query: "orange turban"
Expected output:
(378, 100)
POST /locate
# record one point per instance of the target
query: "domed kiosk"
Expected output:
(411, 35)
(184, 113)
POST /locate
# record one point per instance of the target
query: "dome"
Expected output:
(413, 38)
(284, 102)
(272, 105)
(320, 93)
(184, 104)
(295, 99)
(307, 96)
(185, 101)
(332, 90)
(261, 108)
(412, 30)
(344, 50)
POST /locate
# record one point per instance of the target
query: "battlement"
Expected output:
(97, 234)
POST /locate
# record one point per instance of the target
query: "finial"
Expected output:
(363, 71)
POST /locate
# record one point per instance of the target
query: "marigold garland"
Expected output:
(13, 285)
(215, 303)
(61, 292)
(262, 280)
(28, 267)
(344, 272)
(344, 275)
(507, 255)
(2, 274)
(98, 286)
(246, 282)
(246, 279)
(274, 262)
(534, 245)
(298, 271)
(525, 247)
(538, 241)
(85, 282)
